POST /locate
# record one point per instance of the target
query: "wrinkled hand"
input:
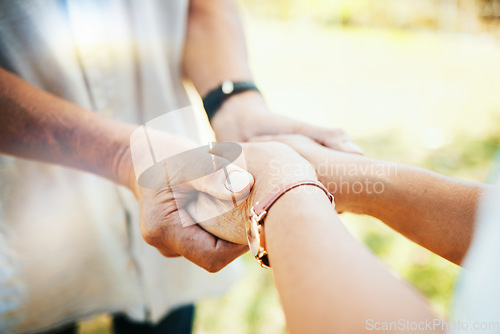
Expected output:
(271, 164)
(170, 186)
(246, 115)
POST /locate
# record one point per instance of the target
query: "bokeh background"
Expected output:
(416, 82)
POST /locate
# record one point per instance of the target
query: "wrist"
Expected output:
(255, 226)
(246, 101)
(123, 167)
(125, 170)
(234, 120)
(354, 182)
(302, 205)
(364, 186)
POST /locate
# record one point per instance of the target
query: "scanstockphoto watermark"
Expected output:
(430, 325)
(341, 178)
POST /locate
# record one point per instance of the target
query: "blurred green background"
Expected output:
(416, 82)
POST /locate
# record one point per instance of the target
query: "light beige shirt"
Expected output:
(70, 244)
(476, 303)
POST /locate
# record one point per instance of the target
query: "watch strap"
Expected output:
(216, 97)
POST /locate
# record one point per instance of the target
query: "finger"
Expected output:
(160, 214)
(295, 141)
(219, 218)
(210, 252)
(343, 144)
(333, 138)
(209, 169)
(201, 247)
(260, 139)
(174, 233)
(237, 179)
(230, 183)
(207, 208)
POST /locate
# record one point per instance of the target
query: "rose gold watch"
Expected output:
(255, 225)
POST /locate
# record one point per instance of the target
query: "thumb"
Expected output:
(332, 138)
(202, 170)
(230, 183)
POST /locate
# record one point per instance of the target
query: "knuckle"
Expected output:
(213, 263)
(150, 237)
(153, 237)
(168, 253)
(213, 267)
(151, 233)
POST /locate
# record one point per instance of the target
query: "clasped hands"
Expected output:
(176, 225)
(173, 221)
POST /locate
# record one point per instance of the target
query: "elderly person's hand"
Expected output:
(246, 115)
(171, 171)
(271, 164)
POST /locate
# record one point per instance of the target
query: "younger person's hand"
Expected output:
(246, 115)
(340, 172)
(271, 164)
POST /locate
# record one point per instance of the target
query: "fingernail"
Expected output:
(237, 180)
(352, 147)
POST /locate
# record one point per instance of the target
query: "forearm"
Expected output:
(216, 51)
(436, 211)
(433, 210)
(215, 45)
(37, 125)
(327, 281)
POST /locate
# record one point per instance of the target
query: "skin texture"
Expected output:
(430, 209)
(37, 125)
(272, 164)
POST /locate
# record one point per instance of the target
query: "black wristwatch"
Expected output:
(214, 99)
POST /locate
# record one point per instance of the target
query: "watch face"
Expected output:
(253, 237)
(227, 87)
